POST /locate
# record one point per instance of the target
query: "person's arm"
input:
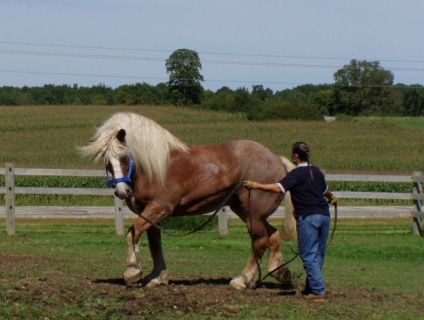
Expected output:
(269, 187)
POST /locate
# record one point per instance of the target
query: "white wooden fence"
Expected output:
(418, 196)
(10, 191)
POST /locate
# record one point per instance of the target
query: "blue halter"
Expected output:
(128, 179)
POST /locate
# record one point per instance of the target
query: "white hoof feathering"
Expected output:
(238, 283)
(162, 279)
(133, 275)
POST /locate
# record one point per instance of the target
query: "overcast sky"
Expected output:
(279, 44)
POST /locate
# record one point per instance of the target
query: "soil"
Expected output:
(55, 289)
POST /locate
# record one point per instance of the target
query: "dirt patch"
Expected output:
(40, 282)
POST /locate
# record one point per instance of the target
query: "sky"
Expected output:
(278, 44)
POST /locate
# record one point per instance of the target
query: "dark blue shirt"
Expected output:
(307, 192)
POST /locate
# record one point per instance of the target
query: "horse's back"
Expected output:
(257, 162)
(204, 176)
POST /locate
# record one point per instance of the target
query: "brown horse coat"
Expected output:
(173, 179)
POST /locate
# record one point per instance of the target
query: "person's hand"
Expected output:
(332, 200)
(249, 184)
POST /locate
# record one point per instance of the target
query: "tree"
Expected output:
(363, 88)
(184, 83)
(259, 93)
(414, 101)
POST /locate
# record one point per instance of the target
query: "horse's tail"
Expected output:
(289, 229)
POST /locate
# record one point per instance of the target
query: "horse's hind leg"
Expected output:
(283, 274)
(158, 275)
(260, 243)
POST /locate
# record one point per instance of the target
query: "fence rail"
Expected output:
(416, 179)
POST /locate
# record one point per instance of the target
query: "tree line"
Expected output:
(359, 88)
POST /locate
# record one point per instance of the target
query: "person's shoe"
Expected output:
(314, 297)
(301, 293)
(305, 292)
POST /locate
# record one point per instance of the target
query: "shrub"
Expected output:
(280, 109)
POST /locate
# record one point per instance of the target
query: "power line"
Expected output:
(224, 62)
(79, 55)
(95, 75)
(130, 76)
(207, 80)
(210, 53)
(82, 47)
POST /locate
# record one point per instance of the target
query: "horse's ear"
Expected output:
(121, 136)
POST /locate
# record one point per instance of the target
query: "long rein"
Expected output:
(111, 182)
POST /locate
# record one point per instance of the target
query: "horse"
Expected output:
(160, 176)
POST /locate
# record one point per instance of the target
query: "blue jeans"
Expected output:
(312, 237)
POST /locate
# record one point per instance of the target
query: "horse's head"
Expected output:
(121, 166)
(126, 136)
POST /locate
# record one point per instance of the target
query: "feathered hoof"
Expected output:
(162, 279)
(133, 275)
(238, 283)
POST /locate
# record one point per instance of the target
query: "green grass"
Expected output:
(372, 266)
(372, 270)
(47, 136)
(401, 122)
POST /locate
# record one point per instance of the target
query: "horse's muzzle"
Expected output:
(122, 194)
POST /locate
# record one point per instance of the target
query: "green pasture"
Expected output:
(47, 136)
(373, 270)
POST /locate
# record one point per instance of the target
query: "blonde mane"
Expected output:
(145, 141)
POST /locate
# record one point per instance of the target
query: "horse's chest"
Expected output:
(136, 206)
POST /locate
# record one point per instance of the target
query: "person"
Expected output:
(310, 197)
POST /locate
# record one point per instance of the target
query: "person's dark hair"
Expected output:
(303, 151)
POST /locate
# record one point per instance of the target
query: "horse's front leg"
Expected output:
(158, 275)
(155, 214)
(134, 272)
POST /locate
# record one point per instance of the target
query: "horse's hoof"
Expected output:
(162, 279)
(238, 283)
(132, 275)
(283, 276)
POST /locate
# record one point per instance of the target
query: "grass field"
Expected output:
(47, 136)
(71, 269)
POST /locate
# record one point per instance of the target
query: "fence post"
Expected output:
(417, 189)
(119, 216)
(10, 200)
(223, 222)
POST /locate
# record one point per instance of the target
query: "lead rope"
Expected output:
(334, 225)
(221, 205)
